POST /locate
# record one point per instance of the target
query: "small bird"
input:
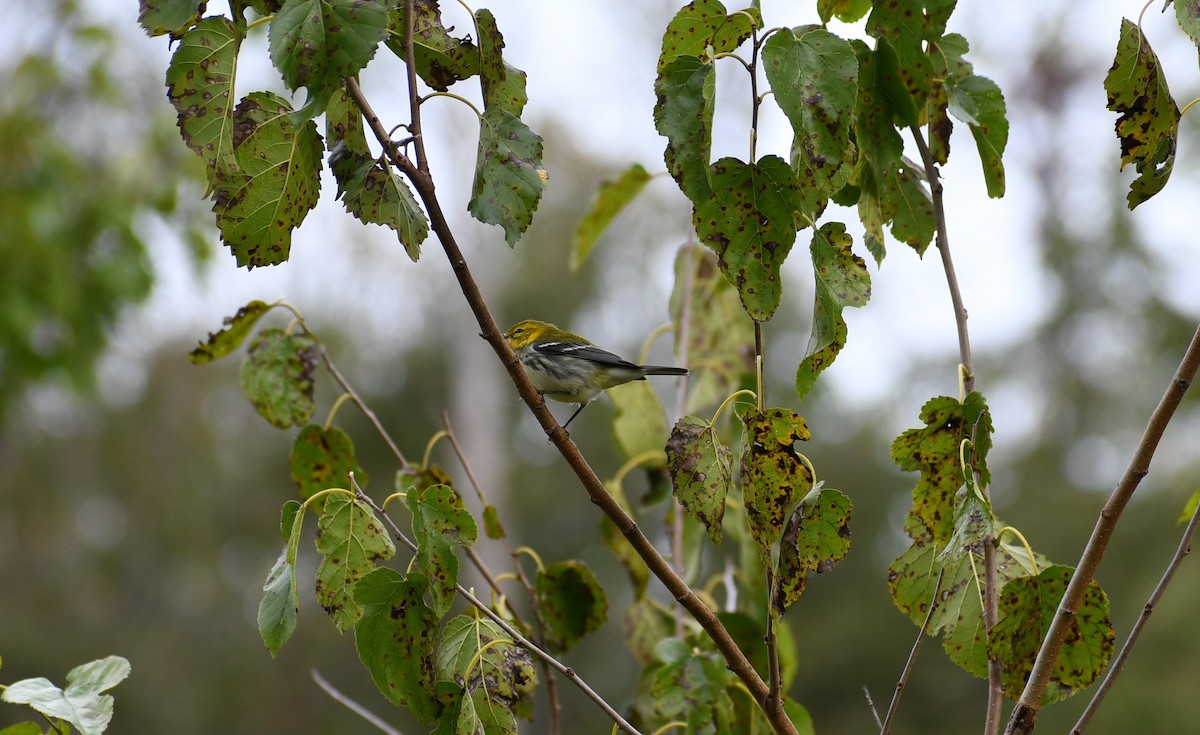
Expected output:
(568, 368)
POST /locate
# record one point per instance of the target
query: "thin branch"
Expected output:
(1118, 664)
(351, 705)
(505, 625)
(871, 706)
(995, 702)
(362, 406)
(1024, 715)
(902, 682)
(422, 181)
(551, 679)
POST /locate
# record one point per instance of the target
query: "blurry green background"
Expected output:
(139, 494)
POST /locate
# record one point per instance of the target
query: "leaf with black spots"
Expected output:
(774, 477)
(225, 341)
(277, 376)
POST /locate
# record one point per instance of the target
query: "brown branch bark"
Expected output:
(1024, 715)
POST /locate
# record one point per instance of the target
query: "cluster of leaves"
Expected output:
(466, 673)
(940, 576)
(82, 705)
(263, 158)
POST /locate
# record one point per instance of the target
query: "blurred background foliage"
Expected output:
(139, 494)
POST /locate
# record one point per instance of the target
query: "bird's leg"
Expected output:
(581, 407)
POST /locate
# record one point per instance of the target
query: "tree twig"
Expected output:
(351, 705)
(1024, 715)
(504, 624)
(551, 679)
(990, 597)
(886, 727)
(362, 406)
(1118, 663)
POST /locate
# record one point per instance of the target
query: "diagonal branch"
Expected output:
(1024, 715)
(1118, 664)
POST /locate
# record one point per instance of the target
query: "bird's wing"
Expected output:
(585, 351)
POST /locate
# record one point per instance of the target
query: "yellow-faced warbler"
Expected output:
(568, 368)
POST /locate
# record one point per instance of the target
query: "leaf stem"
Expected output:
(1024, 715)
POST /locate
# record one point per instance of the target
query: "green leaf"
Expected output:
(280, 606)
(750, 224)
(503, 84)
(479, 654)
(1187, 15)
(315, 43)
(907, 25)
(200, 81)
(702, 24)
(948, 66)
(842, 280)
(774, 478)
(350, 541)
(639, 426)
(1149, 124)
(817, 537)
(395, 639)
(913, 578)
(974, 523)
(847, 11)
(276, 183)
(699, 465)
(814, 76)
(277, 376)
(913, 219)
(22, 728)
(440, 522)
(492, 527)
(225, 341)
(278, 609)
(646, 625)
(691, 686)
(1189, 508)
(509, 178)
(323, 458)
(377, 195)
(934, 451)
(977, 101)
(571, 601)
(441, 59)
(683, 113)
(720, 337)
(82, 703)
(1027, 606)
(611, 199)
(173, 17)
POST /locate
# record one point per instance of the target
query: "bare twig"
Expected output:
(507, 627)
(871, 706)
(362, 406)
(1118, 663)
(422, 182)
(351, 705)
(886, 727)
(990, 599)
(1024, 715)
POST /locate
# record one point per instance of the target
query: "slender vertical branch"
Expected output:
(1118, 663)
(990, 599)
(1024, 715)
(339, 697)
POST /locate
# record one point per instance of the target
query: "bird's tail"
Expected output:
(663, 370)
